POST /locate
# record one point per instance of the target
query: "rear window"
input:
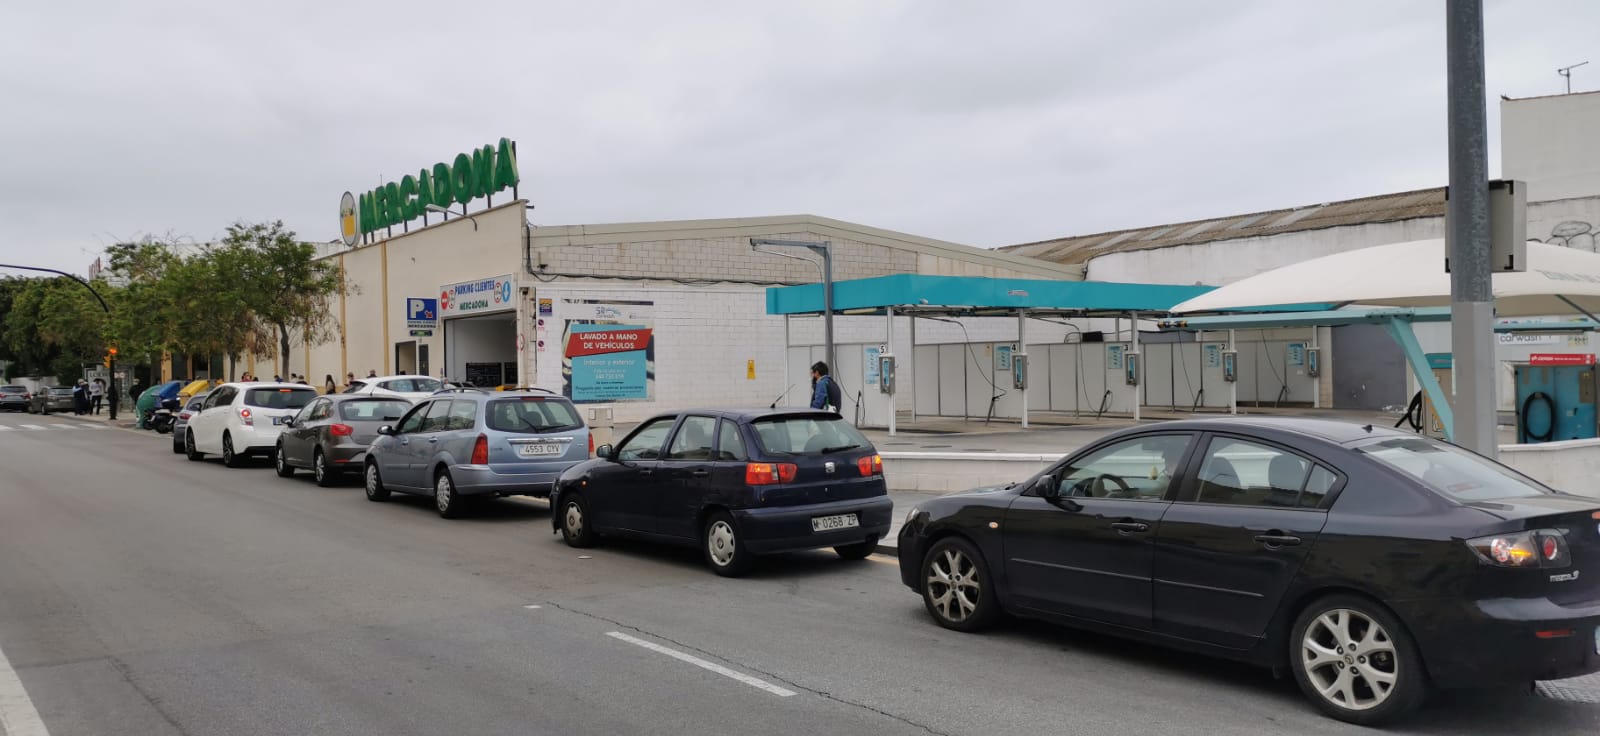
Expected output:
(412, 385)
(279, 398)
(1451, 471)
(369, 410)
(807, 435)
(531, 415)
(61, 391)
(13, 389)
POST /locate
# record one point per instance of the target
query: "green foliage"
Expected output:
(53, 326)
(285, 287)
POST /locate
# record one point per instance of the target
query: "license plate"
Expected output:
(830, 523)
(279, 420)
(539, 450)
(1597, 640)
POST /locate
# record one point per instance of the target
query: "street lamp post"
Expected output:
(825, 249)
(111, 357)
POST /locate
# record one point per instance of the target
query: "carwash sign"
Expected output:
(479, 173)
(469, 297)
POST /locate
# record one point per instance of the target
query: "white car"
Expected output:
(240, 420)
(410, 388)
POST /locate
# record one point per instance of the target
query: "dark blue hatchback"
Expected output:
(737, 483)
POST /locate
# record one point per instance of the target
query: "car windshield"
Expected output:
(532, 414)
(13, 390)
(369, 410)
(1450, 470)
(808, 435)
(412, 385)
(279, 398)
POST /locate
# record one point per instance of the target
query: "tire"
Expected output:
(280, 461)
(957, 589)
(229, 457)
(188, 447)
(177, 446)
(723, 546)
(376, 493)
(324, 475)
(445, 498)
(856, 551)
(1344, 646)
(575, 527)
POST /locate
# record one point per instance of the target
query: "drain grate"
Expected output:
(1584, 689)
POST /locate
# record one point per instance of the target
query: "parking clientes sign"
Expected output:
(481, 172)
(480, 295)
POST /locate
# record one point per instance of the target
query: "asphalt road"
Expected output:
(144, 594)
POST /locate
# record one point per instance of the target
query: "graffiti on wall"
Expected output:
(1572, 234)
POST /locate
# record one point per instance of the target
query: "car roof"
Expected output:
(746, 415)
(1329, 430)
(390, 378)
(267, 384)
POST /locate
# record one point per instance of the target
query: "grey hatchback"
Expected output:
(471, 442)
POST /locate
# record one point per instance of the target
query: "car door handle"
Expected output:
(1130, 527)
(432, 440)
(1277, 540)
(647, 472)
(701, 473)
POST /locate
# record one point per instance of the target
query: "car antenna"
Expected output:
(1368, 428)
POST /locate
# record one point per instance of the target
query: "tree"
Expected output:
(55, 326)
(283, 285)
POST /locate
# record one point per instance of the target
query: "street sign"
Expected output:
(422, 333)
(1561, 359)
(422, 314)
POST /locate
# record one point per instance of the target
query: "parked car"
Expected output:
(1373, 564)
(15, 398)
(411, 388)
(735, 483)
(54, 398)
(331, 434)
(470, 442)
(240, 420)
(181, 422)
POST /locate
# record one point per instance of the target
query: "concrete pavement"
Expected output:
(144, 594)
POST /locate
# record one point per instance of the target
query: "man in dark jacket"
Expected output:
(825, 392)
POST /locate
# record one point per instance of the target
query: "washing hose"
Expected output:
(1522, 418)
(1413, 414)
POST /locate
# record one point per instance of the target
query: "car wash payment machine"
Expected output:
(1555, 398)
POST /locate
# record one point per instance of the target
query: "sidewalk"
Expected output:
(124, 417)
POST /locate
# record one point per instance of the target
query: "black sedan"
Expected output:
(735, 483)
(330, 435)
(1371, 563)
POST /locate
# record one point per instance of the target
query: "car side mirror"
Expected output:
(386, 430)
(604, 452)
(288, 422)
(1049, 488)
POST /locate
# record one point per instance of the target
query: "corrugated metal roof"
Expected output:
(1382, 208)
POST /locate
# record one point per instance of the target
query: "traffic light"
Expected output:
(111, 356)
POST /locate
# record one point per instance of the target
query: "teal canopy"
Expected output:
(968, 295)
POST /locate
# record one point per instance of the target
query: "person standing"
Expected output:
(825, 393)
(97, 395)
(80, 398)
(328, 386)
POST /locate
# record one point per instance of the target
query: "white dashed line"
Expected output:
(31, 426)
(698, 662)
(18, 717)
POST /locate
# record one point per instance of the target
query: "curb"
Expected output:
(887, 550)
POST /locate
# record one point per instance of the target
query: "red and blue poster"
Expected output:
(608, 351)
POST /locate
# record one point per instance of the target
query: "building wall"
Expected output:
(1549, 142)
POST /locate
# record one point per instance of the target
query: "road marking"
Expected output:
(31, 426)
(531, 607)
(698, 662)
(63, 426)
(6, 428)
(18, 717)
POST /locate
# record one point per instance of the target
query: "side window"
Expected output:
(463, 415)
(730, 445)
(1249, 474)
(1141, 468)
(1318, 486)
(223, 397)
(646, 443)
(438, 416)
(308, 413)
(693, 441)
(212, 400)
(413, 421)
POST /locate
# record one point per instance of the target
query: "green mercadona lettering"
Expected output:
(482, 172)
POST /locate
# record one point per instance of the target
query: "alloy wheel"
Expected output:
(719, 542)
(319, 467)
(1350, 659)
(953, 585)
(443, 493)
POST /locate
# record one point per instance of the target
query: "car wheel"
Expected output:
(280, 461)
(956, 586)
(445, 498)
(319, 469)
(374, 482)
(1355, 661)
(856, 551)
(188, 447)
(229, 457)
(575, 528)
(177, 446)
(724, 547)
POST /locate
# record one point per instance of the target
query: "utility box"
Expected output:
(1556, 398)
(601, 426)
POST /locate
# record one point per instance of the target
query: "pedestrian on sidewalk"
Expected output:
(80, 398)
(328, 386)
(825, 393)
(349, 380)
(97, 395)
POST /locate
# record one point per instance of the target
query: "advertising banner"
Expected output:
(607, 350)
(480, 295)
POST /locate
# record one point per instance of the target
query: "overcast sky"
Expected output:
(981, 123)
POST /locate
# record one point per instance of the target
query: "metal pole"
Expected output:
(1471, 292)
(1133, 339)
(827, 301)
(1233, 386)
(911, 365)
(1316, 381)
(1022, 352)
(889, 346)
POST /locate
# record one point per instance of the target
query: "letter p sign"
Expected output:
(421, 309)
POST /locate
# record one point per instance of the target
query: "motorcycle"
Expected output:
(162, 418)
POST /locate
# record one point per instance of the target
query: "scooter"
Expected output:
(161, 419)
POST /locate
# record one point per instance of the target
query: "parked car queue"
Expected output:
(1358, 559)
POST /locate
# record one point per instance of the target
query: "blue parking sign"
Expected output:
(422, 313)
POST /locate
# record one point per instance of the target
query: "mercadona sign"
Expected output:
(484, 171)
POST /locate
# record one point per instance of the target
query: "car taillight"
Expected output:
(766, 474)
(480, 451)
(244, 416)
(183, 415)
(341, 430)
(1539, 548)
(870, 465)
(591, 445)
